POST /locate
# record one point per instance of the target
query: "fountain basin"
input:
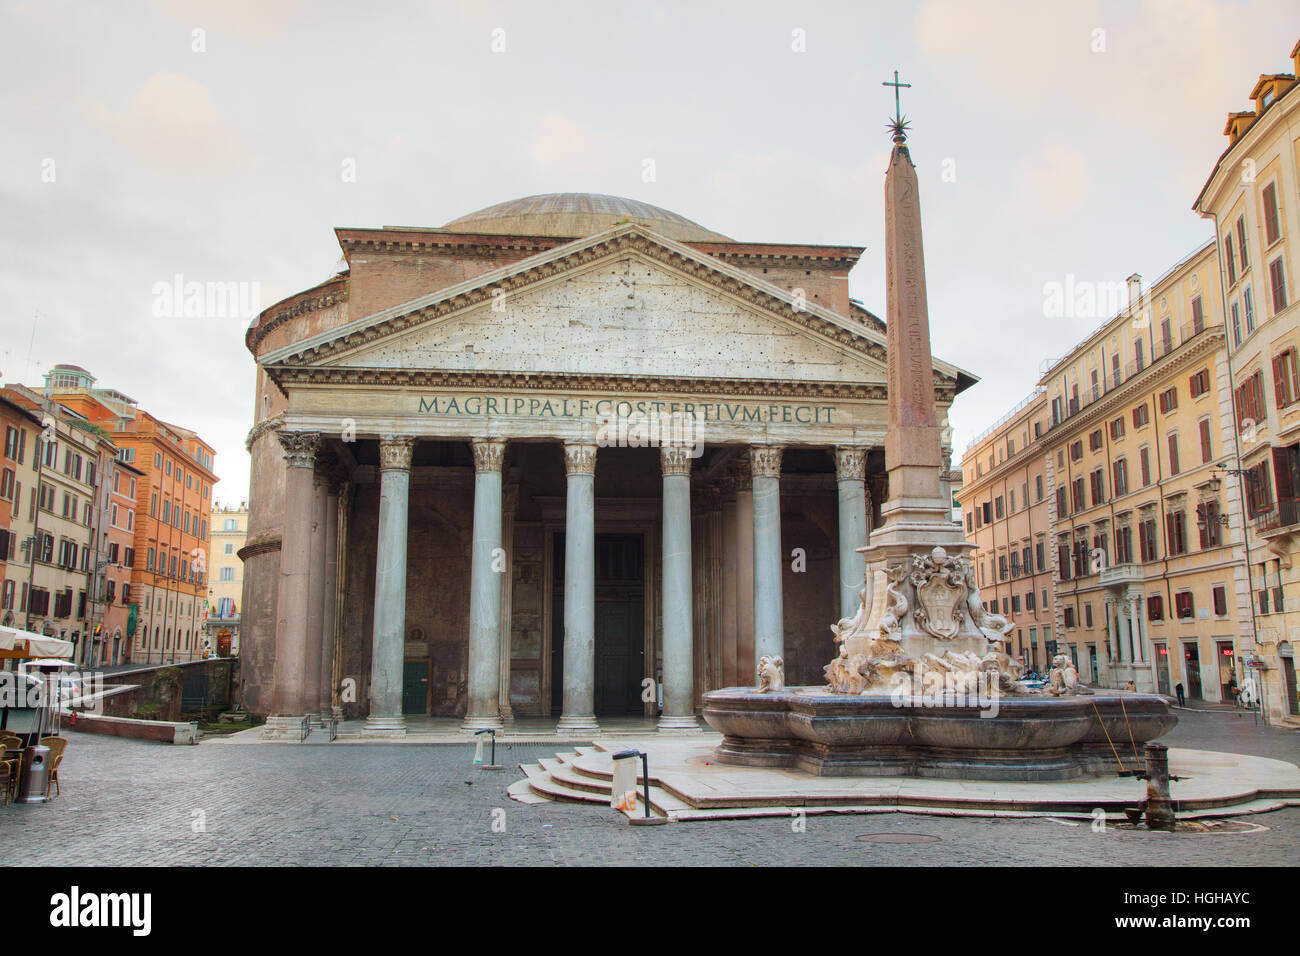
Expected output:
(1010, 738)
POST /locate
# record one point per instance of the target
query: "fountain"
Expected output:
(924, 684)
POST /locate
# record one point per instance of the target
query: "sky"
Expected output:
(150, 143)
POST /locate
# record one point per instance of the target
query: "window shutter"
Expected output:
(1270, 213)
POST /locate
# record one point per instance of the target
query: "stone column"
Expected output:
(288, 689)
(743, 549)
(1139, 644)
(730, 567)
(316, 596)
(329, 598)
(510, 499)
(1135, 628)
(1112, 628)
(389, 647)
(579, 709)
(850, 478)
(678, 657)
(487, 570)
(769, 631)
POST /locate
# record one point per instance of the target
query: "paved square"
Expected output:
(129, 803)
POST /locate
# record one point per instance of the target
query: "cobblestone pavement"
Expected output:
(127, 802)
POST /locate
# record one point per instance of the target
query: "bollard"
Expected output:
(647, 820)
(1160, 808)
(478, 751)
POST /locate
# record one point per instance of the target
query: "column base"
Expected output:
(677, 725)
(581, 724)
(476, 722)
(282, 727)
(384, 727)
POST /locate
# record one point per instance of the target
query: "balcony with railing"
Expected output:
(1283, 517)
(1118, 574)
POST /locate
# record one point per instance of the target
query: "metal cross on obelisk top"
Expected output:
(899, 125)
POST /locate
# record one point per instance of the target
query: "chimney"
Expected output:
(1134, 291)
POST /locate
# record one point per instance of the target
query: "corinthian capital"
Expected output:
(765, 460)
(489, 453)
(395, 452)
(579, 458)
(675, 459)
(850, 462)
(299, 447)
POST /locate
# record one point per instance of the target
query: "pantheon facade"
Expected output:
(571, 457)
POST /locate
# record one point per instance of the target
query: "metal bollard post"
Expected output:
(1160, 808)
(647, 820)
(492, 763)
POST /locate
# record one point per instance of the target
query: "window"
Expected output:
(1040, 556)
(1141, 415)
(1117, 429)
(1147, 540)
(1119, 476)
(1204, 430)
(997, 507)
(1061, 510)
(1248, 307)
(1198, 316)
(1139, 356)
(1097, 481)
(1144, 465)
(1286, 378)
(1183, 604)
(1271, 231)
(1199, 383)
(1230, 260)
(1124, 545)
(227, 574)
(1250, 401)
(1277, 284)
(1076, 451)
(1038, 487)
(1220, 600)
(1077, 501)
(1173, 454)
(1063, 560)
(1087, 615)
(1155, 608)
(229, 548)
(1168, 400)
(1069, 617)
(1029, 601)
(1259, 489)
(1176, 529)
(1207, 523)
(1095, 440)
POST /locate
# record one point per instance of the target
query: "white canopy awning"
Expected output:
(35, 645)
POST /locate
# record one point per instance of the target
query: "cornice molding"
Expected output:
(1169, 364)
(325, 296)
(585, 381)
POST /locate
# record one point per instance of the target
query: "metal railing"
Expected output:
(1283, 514)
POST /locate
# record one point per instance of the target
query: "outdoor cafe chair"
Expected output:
(57, 745)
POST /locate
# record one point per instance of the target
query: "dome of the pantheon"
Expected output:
(576, 215)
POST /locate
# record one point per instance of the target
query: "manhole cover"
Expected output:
(896, 838)
(1204, 826)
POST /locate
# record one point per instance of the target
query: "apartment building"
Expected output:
(1253, 199)
(1146, 560)
(1004, 508)
(226, 577)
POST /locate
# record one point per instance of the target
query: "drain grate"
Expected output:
(896, 838)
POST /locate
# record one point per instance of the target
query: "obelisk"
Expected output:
(916, 519)
(915, 509)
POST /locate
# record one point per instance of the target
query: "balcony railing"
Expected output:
(1282, 515)
(1122, 574)
(1112, 380)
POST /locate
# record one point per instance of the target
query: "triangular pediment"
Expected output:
(626, 302)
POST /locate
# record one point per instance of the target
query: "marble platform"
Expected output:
(688, 784)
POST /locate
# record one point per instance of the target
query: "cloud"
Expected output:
(172, 125)
(559, 144)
